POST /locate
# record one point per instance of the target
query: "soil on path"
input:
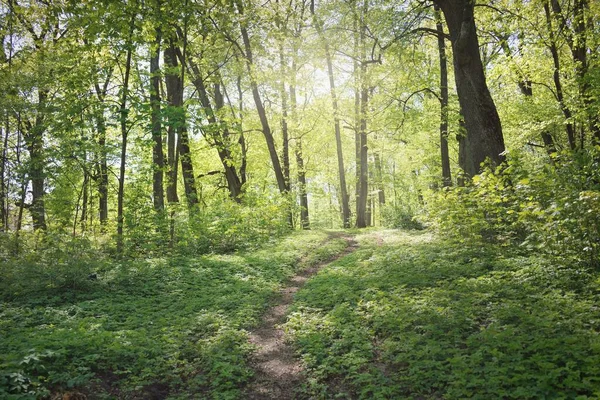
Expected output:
(277, 371)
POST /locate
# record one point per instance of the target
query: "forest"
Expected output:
(299, 199)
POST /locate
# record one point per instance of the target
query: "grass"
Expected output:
(408, 316)
(140, 329)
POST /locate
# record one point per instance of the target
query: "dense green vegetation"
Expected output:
(158, 160)
(419, 317)
(144, 328)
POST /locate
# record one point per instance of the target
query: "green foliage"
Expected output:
(141, 328)
(422, 318)
(552, 208)
(221, 226)
(401, 216)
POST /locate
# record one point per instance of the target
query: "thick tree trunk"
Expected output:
(484, 132)
(158, 163)
(345, 200)
(445, 158)
(35, 145)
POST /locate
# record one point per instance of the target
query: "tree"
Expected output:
(483, 137)
(336, 119)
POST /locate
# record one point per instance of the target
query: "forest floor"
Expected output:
(278, 372)
(370, 314)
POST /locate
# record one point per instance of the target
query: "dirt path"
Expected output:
(277, 371)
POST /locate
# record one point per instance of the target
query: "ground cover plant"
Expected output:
(412, 316)
(143, 328)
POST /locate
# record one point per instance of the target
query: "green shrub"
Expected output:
(550, 207)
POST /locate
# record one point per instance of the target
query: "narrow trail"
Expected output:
(277, 371)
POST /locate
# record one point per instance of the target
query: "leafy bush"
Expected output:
(401, 216)
(219, 227)
(553, 208)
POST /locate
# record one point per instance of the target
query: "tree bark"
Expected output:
(445, 158)
(3, 181)
(304, 215)
(175, 119)
(124, 131)
(34, 140)
(576, 38)
(266, 129)
(103, 170)
(557, 82)
(484, 137)
(158, 163)
(526, 89)
(242, 139)
(84, 201)
(234, 182)
(218, 133)
(285, 149)
(363, 183)
(380, 185)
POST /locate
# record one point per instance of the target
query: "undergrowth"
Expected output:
(420, 318)
(172, 327)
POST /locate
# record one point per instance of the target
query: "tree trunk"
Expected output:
(304, 218)
(242, 139)
(176, 119)
(526, 88)
(158, 163)
(356, 73)
(266, 129)
(124, 132)
(233, 181)
(557, 82)
(336, 121)
(218, 133)
(35, 145)
(380, 185)
(445, 158)
(576, 38)
(103, 170)
(84, 201)
(285, 148)
(363, 183)
(3, 190)
(484, 138)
